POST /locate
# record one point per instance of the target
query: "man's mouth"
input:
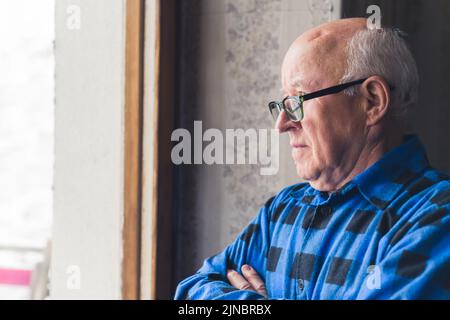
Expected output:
(298, 146)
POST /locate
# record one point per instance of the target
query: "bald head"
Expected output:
(319, 52)
(337, 29)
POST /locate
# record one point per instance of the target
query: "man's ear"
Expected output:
(376, 93)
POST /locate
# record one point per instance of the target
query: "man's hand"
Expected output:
(249, 280)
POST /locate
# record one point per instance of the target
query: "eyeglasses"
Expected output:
(293, 105)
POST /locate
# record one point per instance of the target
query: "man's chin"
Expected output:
(302, 172)
(306, 173)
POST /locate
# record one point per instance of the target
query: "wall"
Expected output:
(88, 181)
(230, 53)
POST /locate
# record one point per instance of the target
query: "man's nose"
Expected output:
(283, 123)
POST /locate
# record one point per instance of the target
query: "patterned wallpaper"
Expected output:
(229, 58)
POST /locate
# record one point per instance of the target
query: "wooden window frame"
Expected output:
(148, 220)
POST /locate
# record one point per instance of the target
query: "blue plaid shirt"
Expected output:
(384, 235)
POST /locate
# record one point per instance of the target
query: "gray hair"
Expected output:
(385, 53)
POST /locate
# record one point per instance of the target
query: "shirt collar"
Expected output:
(381, 182)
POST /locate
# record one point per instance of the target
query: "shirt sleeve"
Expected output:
(250, 247)
(417, 266)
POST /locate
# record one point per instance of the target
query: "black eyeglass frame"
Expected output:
(302, 98)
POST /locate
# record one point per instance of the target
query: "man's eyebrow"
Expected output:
(298, 83)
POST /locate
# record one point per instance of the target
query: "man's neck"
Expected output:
(371, 153)
(374, 151)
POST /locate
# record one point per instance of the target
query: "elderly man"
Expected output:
(372, 219)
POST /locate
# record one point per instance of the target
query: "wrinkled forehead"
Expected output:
(311, 64)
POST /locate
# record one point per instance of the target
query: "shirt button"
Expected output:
(301, 284)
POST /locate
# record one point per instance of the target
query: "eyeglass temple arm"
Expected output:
(332, 90)
(336, 89)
